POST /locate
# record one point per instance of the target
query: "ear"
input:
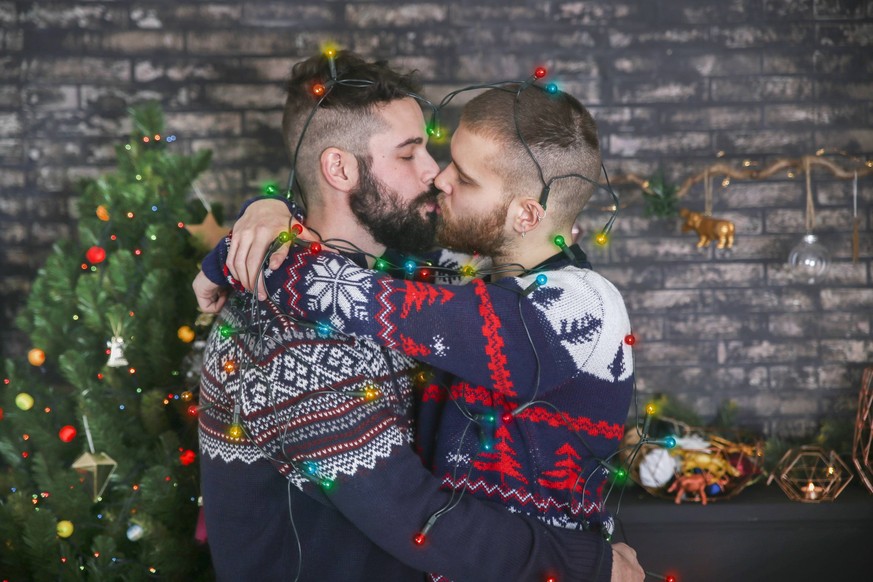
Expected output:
(339, 168)
(527, 214)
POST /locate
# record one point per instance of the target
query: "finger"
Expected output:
(279, 256)
(219, 302)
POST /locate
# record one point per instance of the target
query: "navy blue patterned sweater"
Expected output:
(391, 499)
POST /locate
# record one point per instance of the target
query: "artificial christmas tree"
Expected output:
(92, 426)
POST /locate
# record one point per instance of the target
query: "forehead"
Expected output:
(474, 152)
(401, 117)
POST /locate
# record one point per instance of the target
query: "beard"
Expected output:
(383, 213)
(474, 234)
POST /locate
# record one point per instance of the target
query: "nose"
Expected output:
(443, 181)
(430, 170)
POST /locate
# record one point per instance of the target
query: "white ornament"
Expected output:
(116, 352)
(657, 468)
(692, 443)
(135, 532)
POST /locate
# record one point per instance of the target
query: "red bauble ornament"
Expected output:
(67, 433)
(96, 255)
(187, 457)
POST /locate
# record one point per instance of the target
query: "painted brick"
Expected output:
(790, 115)
(10, 124)
(787, 142)
(627, 91)
(694, 12)
(657, 301)
(847, 350)
(789, 9)
(690, 119)
(75, 69)
(650, 37)
(170, 15)
(287, 14)
(845, 34)
(800, 325)
(244, 96)
(230, 150)
(690, 353)
(624, 119)
(794, 377)
(52, 97)
(769, 88)
(845, 90)
(714, 275)
(847, 299)
(594, 13)
(847, 140)
(142, 42)
(8, 14)
(839, 9)
(10, 179)
(79, 15)
(188, 70)
(11, 151)
(762, 36)
(720, 64)
(463, 14)
(369, 15)
(685, 142)
(232, 43)
(714, 326)
(651, 250)
(766, 351)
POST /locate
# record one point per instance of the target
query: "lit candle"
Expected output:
(811, 492)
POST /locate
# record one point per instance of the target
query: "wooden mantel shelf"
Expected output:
(757, 536)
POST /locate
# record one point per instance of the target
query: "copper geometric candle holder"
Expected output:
(862, 456)
(811, 475)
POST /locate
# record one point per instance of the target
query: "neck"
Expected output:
(526, 253)
(339, 223)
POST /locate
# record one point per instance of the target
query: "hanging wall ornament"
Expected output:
(856, 222)
(708, 229)
(94, 468)
(809, 259)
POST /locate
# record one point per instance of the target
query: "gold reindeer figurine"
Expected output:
(708, 229)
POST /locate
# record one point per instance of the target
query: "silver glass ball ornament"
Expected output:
(809, 260)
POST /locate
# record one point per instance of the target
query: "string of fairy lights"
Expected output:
(253, 332)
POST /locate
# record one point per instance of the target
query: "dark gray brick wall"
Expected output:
(674, 84)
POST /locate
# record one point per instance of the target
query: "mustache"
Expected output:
(429, 195)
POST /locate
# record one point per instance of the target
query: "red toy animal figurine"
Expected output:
(694, 484)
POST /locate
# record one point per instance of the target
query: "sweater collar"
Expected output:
(573, 255)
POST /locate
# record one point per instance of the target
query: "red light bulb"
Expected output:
(297, 228)
(506, 417)
(629, 339)
(419, 539)
(318, 89)
(540, 72)
(315, 248)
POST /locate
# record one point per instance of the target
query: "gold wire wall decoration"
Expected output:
(862, 455)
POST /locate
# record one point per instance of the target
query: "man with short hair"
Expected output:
(329, 413)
